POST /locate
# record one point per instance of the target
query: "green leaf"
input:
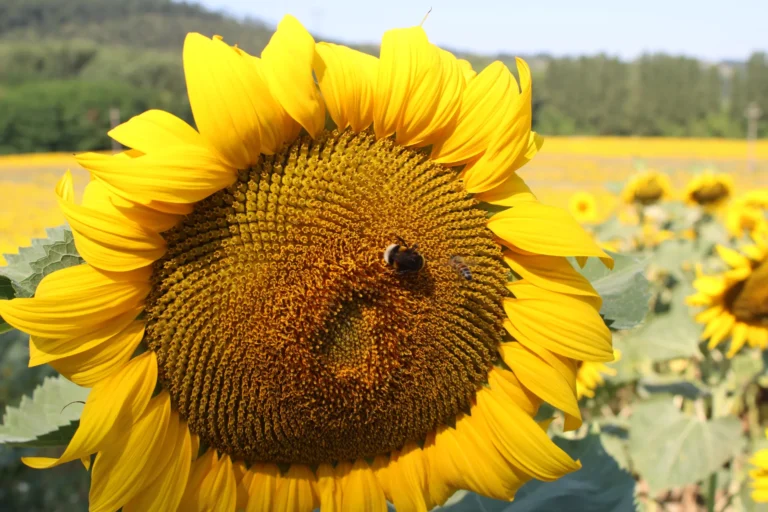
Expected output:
(615, 439)
(669, 335)
(671, 254)
(48, 418)
(745, 366)
(670, 449)
(599, 486)
(671, 385)
(6, 292)
(26, 269)
(625, 290)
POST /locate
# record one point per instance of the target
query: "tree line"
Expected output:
(64, 65)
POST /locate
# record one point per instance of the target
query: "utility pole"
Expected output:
(114, 120)
(752, 113)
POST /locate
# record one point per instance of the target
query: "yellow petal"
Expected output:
(512, 191)
(295, 490)
(451, 88)
(346, 79)
(262, 488)
(74, 301)
(518, 437)
(509, 143)
(211, 486)
(407, 473)
(47, 350)
(542, 229)
(738, 338)
(111, 242)
(223, 87)
(329, 485)
(94, 364)
(506, 382)
(758, 336)
(116, 403)
(466, 70)
(563, 324)
(182, 174)
(166, 491)
(555, 385)
(154, 130)
(549, 272)
(481, 110)
(288, 60)
(418, 88)
(732, 258)
(360, 491)
(710, 314)
(454, 455)
(124, 469)
(100, 196)
(722, 330)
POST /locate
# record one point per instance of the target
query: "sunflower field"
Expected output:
(366, 283)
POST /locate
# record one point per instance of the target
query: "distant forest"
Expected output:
(65, 63)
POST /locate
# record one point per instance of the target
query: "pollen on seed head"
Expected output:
(281, 337)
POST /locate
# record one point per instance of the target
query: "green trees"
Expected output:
(60, 62)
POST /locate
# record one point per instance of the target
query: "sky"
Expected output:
(707, 29)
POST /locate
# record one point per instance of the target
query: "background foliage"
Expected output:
(66, 63)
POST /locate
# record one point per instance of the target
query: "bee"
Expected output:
(459, 264)
(404, 258)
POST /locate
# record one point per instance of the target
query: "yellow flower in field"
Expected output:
(583, 207)
(759, 475)
(590, 376)
(297, 352)
(709, 190)
(652, 235)
(746, 216)
(647, 188)
(736, 300)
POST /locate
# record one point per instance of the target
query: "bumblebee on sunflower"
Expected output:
(248, 344)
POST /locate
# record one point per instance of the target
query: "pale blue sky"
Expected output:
(707, 29)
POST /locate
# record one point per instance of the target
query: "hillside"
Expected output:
(66, 63)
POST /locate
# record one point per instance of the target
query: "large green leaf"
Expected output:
(668, 335)
(671, 449)
(600, 486)
(625, 290)
(671, 254)
(6, 292)
(48, 418)
(26, 269)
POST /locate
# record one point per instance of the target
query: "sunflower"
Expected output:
(759, 475)
(746, 215)
(736, 300)
(647, 188)
(709, 190)
(270, 316)
(583, 207)
(590, 376)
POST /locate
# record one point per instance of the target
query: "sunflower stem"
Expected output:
(711, 492)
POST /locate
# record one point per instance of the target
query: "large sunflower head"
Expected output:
(736, 301)
(647, 188)
(583, 207)
(709, 190)
(279, 312)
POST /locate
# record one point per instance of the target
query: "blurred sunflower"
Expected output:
(759, 475)
(736, 300)
(709, 190)
(746, 215)
(590, 376)
(583, 207)
(248, 343)
(647, 188)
